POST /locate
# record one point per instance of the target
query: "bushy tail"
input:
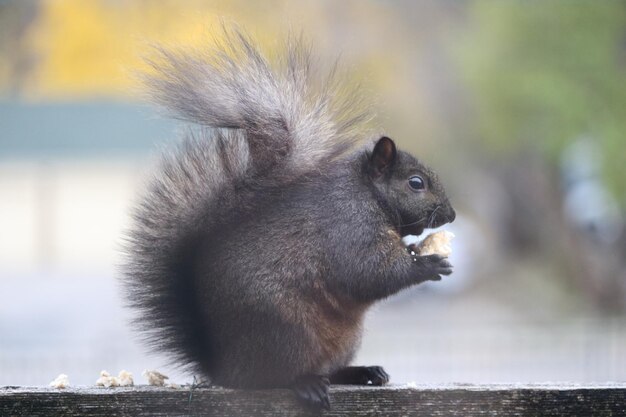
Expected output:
(256, 124)
(291, 114)
(193, 191)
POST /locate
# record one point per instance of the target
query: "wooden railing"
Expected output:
(441, 400)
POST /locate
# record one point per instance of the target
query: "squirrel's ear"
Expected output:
(383, 156)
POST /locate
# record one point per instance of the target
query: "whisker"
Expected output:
(431, 220)
(412, 223)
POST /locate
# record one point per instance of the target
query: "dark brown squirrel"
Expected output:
(276, 223)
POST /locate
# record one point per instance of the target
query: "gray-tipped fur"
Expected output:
(301, 115)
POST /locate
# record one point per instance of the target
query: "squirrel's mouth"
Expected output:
(412, 229)
(436, 219)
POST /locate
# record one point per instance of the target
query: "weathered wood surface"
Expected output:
(441, 400)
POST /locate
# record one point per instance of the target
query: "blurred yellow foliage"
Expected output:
(85, 49)
(90, 47)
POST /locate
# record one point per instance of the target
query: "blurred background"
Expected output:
(521, 108)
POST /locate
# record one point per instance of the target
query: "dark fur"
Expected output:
(259, 247)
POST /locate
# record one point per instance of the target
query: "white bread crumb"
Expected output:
(125, 379)
(61, 381)
(106, 380)
(437, 243)
(155, 378)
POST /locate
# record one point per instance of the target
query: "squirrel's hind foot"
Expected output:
(312, 391)
(360, 375)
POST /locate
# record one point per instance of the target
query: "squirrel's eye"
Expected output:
(417, 183)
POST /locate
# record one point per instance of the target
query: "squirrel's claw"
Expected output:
(436, 265)
(378, 376)
(360, 375)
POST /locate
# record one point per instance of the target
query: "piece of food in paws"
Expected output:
(438, 243)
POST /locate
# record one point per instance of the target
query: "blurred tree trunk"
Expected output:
(537, 226)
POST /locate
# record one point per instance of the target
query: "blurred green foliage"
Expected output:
(543, 73)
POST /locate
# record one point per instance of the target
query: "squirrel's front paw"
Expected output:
(434, 266)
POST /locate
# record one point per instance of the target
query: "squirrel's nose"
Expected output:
(451, 215)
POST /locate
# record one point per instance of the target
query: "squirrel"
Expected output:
(275, 224)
